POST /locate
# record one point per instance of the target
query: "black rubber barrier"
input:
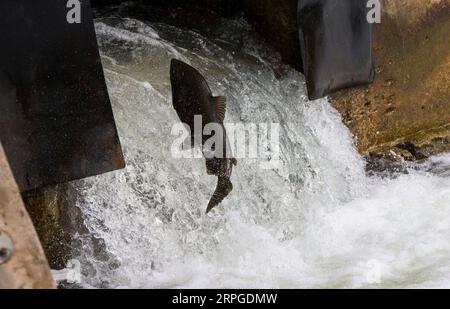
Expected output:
(56, 121)
(336, 45)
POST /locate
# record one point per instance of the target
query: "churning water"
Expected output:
(316, 221)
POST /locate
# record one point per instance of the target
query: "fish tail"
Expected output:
(224, 187)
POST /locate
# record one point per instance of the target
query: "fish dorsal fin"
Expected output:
(221, 107)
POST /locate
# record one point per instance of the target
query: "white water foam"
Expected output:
(317, 221)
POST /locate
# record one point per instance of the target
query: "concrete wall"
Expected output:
(410, 99)
(27, 267)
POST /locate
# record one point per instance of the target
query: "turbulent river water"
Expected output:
(316, 221)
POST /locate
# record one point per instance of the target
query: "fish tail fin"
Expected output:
(224, 187)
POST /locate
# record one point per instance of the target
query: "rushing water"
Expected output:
(316, 221)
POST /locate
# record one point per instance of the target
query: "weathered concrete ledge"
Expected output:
(28, 266)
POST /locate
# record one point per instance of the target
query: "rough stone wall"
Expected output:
(410, 98)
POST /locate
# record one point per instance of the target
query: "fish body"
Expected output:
(192, 97)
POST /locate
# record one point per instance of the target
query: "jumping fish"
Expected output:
(192, 97)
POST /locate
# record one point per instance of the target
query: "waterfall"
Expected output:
(316, 221)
